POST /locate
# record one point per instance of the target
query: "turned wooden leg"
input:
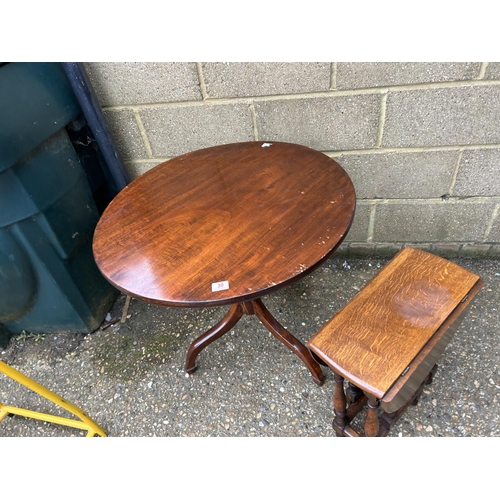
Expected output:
(371, 420)
(223, 326)
(339, 406)
(353, 393)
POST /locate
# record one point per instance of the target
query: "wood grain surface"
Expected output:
(251, 216)
(374, 338)
(428, 357)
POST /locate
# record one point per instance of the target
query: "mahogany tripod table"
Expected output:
(226, 225)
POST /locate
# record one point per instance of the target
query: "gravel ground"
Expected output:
(130, 379)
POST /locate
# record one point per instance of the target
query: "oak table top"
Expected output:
(375, 337)
(225, 225)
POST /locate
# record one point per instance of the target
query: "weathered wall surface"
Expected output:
(421, 141)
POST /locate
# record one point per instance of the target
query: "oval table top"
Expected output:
(225, 224)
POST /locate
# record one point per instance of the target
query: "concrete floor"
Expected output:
(130, 379)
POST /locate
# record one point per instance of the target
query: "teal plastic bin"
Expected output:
(49, 280)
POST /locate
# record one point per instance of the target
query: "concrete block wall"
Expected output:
(421, 141)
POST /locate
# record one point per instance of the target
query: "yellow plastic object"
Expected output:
(85, 422)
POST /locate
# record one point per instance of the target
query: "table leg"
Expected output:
(371, 419)
(223, 326)
(285, 337)
(257, 308)
(339, 406)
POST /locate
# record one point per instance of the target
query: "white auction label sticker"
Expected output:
(221, 285)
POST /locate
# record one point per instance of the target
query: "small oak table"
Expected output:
(226, 225)
(386, 341)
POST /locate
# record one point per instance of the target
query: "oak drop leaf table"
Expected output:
(226, 225)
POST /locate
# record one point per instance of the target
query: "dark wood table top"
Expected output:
(226, 224)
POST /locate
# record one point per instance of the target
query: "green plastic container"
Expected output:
(49, 279)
